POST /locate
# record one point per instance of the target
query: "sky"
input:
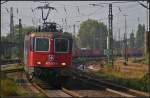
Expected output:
(75, 12)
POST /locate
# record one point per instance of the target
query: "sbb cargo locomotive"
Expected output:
(47, 52)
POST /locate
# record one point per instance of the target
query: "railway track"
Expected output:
(51, 91)
(57, 93)
(77, 88)
(123, 91)
(83, 86)
(105, 88)
(40, 86)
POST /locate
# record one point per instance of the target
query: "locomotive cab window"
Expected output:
(42, 44)
(61, 45)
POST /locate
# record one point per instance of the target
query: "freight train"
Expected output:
(133, 52)
(85, 52)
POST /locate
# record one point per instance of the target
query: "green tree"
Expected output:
(140, 36)
(92, 34)
(24, 31)
(15, 39)
(132, 41)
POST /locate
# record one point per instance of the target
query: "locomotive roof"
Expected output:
(50, 34)
(44, 34)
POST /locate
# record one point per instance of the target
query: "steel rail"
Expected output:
(109, 86)
(40, 89)
(73, 94)
(46, 91)
(108, 89)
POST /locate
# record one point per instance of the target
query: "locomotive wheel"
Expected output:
(57, 86)
(64, 80)
(59, 81)
(56, 83)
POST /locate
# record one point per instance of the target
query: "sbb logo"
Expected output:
(51, 57)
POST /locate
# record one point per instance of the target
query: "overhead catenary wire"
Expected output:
(92, 13)
(115, 2)
(80, 16)
(74, 16)
(143, 5)
(7, 9)
(17, 11)
(65, 10)
(4, 2)
(34, 22)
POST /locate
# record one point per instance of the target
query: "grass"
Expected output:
(9, 87)
(132, 78)
(83, 60)
(118, 78)
(11, 67)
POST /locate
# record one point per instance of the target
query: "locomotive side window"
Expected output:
(25, 51)
(32, 44)
(42, 44)
(61, 45)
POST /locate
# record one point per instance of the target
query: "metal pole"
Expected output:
(149, 58)
(20, 32)
(74, 29)
(93, 41)
(149, 49)
(0, 49)
(110, 36)
(148, 44)
(138, 19)
(125, 42)
(20, 39)
(73, 35)
(11, 23)
(119, 40)
(11, 29)
(147, 16)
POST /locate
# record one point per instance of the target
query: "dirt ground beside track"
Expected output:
(24, 84)
(132, 70)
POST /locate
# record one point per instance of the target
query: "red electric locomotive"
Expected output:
(48, 51)
(47, 54)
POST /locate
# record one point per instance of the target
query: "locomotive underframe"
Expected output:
(48, 71)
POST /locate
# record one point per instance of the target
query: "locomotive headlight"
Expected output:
(38, 62)
(63, 64)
